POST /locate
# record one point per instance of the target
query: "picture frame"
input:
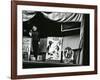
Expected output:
(87, 64)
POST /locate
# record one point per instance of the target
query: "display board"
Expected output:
(26, 48)
(54, 48)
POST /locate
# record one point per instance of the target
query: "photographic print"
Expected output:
(53, 39)
(53, 42)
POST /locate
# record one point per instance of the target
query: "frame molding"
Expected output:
(14, 38)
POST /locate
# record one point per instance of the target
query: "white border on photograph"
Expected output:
(21, 71)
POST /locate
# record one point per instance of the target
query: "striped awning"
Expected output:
(55, 16)
(64, 16)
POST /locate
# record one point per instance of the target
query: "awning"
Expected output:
(54, 16)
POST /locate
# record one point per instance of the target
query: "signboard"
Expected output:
(26, 47)
(54, 48)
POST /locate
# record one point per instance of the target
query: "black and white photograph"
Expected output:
(54, 39)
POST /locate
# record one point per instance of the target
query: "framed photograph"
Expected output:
(53, 39)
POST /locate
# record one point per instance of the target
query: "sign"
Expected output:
(26, 46)
(54, 48)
